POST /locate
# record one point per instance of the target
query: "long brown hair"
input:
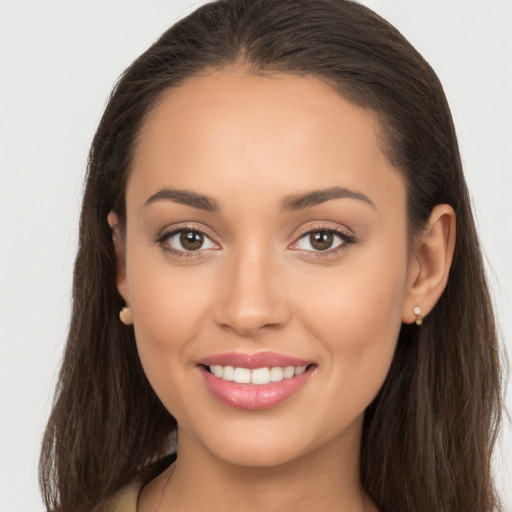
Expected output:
(429, 434)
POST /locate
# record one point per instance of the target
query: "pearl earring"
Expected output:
(419, 317)
(125, 315)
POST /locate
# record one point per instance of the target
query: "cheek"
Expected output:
(168, 310)
(164, 322)
(355, 316)
(165, 298)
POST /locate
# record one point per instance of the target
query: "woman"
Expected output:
(278, 265)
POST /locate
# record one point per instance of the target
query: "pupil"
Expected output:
(191, 240)
(321, 240)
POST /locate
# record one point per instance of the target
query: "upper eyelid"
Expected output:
(345, 237)
(170, 231)
(162, 240)
(305, 229)
(323, 226)
(173, 229)
(344, 233)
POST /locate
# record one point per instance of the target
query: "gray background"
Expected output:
(58, 62)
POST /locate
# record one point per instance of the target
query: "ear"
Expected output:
(117, 239)
(430, 263)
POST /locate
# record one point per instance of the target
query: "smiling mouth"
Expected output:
(255, 381)
(257, 376)
(255, 388)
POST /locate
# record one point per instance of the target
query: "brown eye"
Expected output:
(321, 240)
(191, 240)
(185, 241)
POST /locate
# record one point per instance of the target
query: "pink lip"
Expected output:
(252, 361)
(253, 396)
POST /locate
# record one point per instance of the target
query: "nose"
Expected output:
(252, 296)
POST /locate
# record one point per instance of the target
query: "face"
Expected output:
(265, 243)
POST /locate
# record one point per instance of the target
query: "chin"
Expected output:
(259, 455)
(271, 442)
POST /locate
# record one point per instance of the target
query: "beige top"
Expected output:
(125, 500)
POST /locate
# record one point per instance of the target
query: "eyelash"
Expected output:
(347, 240)
(180, 253)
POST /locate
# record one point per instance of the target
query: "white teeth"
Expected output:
(300, 370)
(242, 375)
(228, 373)
(260, 376)
(256, 376)
(276, 374)
(288, 372)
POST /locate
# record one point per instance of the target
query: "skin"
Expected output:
(256, 285)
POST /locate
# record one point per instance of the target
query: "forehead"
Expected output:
(231, 129)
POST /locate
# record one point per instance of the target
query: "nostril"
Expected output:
(248, 306)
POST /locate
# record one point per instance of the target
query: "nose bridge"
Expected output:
(252, 296)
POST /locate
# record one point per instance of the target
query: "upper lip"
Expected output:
(253, 361)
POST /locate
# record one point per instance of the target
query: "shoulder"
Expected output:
(125, 500)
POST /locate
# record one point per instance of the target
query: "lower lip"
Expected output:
(253, 396)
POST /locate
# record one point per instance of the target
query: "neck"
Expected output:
(325, 479)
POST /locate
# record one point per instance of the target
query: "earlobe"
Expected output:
(430, 264)
(117, 239)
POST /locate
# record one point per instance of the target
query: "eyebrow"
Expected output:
(301, 201)
(185, 197)
(290, 203)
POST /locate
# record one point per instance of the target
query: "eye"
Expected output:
(323, 240)
(319, 241)
(183, 241)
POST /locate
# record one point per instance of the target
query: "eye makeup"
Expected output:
(192, 241)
